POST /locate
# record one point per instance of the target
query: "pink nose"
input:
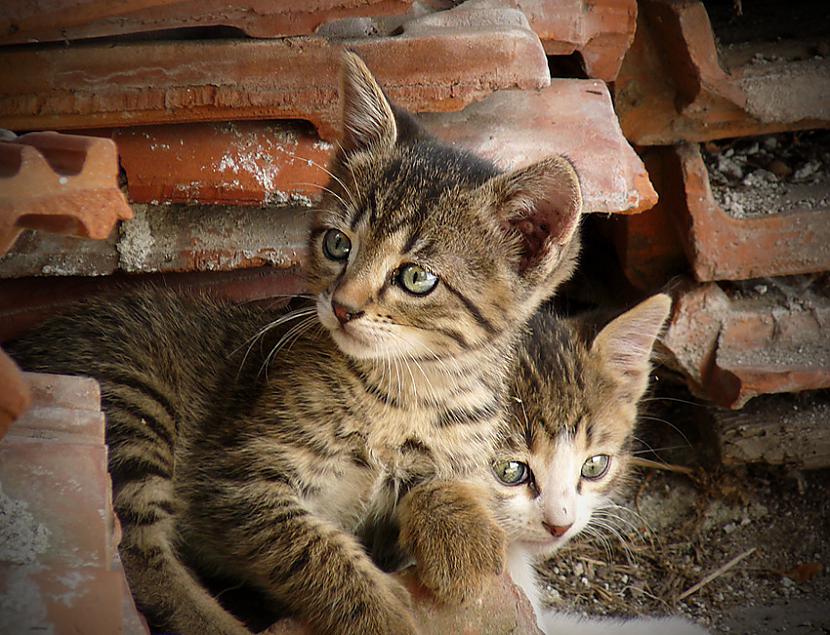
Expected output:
(343, 313)
(557, 530)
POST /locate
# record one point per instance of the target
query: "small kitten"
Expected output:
(235, 456)
(574, 410)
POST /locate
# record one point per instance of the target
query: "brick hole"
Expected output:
(55, 224)
(568, 66)
(10, 159)
(66, 161)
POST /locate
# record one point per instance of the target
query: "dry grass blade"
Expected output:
(656, 465)
(715, 574)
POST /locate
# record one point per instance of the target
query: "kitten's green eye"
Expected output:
(336, 245)
(511, 472)
(416, 279)
(596, 466)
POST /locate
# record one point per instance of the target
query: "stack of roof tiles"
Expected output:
(224, 115)
(702, 96)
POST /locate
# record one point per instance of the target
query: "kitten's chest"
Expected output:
(393, 454)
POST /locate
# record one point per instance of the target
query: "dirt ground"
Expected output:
(676, 529)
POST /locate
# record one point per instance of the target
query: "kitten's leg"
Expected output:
(167, 591)
(311, 566)
(450, 531)
(554, 623)
(142, 463)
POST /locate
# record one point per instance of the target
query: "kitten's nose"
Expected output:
(344, 313)
(557, 530)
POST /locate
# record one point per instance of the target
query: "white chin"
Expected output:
(545, 546)
(351, 345)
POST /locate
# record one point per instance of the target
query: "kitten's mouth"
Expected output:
(342, 330)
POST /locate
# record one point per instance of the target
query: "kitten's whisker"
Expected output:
(648, 449)
(295, 331)
(327, 171)
(612, 530)
(596, 536)
(668, 423)
(606, 514)
(330, 191)
(292, 315)
(683, 401)
(633, 512)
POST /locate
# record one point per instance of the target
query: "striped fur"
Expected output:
(258, 446)
(575, 396)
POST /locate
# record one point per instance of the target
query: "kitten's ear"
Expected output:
(625, 344)
(367, 118)
(542, 203)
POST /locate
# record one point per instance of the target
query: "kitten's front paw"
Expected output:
(460, 571)
(456, 543)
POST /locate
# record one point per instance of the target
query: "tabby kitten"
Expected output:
(574, 409)
(237, 456)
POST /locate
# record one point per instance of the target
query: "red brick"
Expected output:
(235, 163)
(722, 247)
(65, 20)
(60, 391)
(58, 567)
(731, 349)
(647, 244)
(673, 86)
(247, 162)
(26, 302)
(599, 30)
(59, 183)
(439, 62)
(501, 608)
(692, 335)
(571, 117)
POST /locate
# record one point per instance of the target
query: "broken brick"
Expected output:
(57, 559)
(435, 63)
(721, 246)
(771, 338)
(59, 183)
(571, 117)
(599, 30)
(676, 85)
(171, 238)
(66, 20)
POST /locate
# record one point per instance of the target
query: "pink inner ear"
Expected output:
(540, 228)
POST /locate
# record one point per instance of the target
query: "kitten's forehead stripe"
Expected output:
(473, 309)
(360, 212)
